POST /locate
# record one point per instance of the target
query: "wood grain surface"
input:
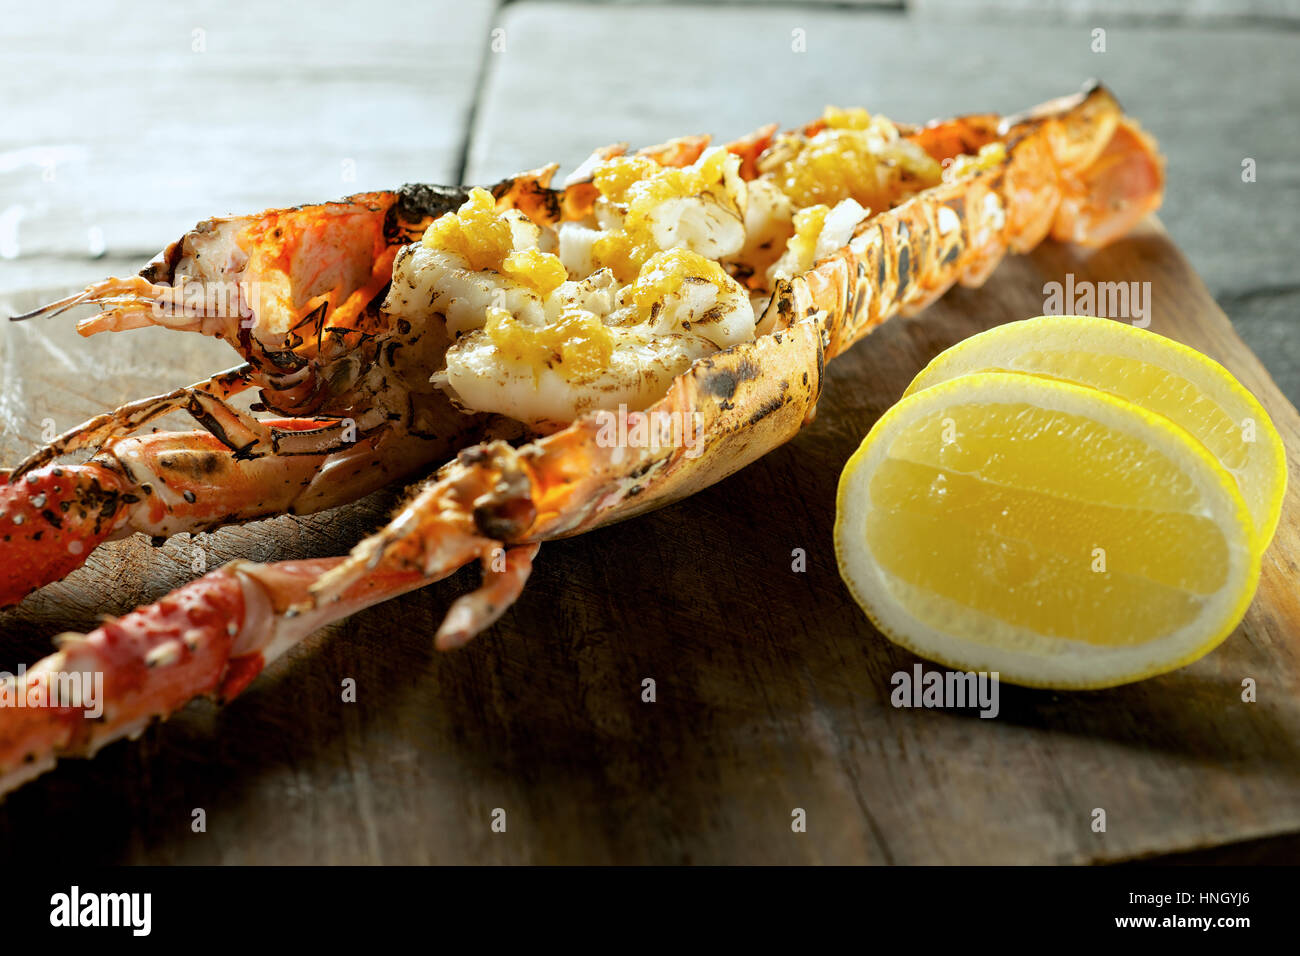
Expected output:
(772, 688)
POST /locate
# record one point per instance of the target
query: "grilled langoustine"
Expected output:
(549, 338)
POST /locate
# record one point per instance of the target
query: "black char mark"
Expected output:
(722, 382)
(197, 467)
(416, 205)
(904, 267)
(767, 408)
(547, 198)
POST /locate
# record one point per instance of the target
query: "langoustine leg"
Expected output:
(214, 635)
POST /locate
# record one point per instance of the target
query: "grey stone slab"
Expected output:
(1268, 321)
(126, 125)
(574, 77)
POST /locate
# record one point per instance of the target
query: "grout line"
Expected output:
(480, 84)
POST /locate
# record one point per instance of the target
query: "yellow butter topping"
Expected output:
(989, 156)
(474, 232)
(578, 341)
(808, 225)
(664, 273)
(641, 185)
(540, 271)
(854, 117)
(857, 156)
(482, 236)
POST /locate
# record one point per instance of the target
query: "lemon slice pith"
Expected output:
(1157, 373)
(1047, 531)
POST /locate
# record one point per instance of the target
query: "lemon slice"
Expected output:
(1162, 376)
(1047, 531)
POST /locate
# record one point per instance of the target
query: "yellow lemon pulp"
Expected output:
(1017, 528)
(1046, 531)
(1153, 372)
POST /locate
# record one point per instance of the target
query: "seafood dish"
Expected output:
(539, 359)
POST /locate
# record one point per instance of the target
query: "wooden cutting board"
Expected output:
(772, 689)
